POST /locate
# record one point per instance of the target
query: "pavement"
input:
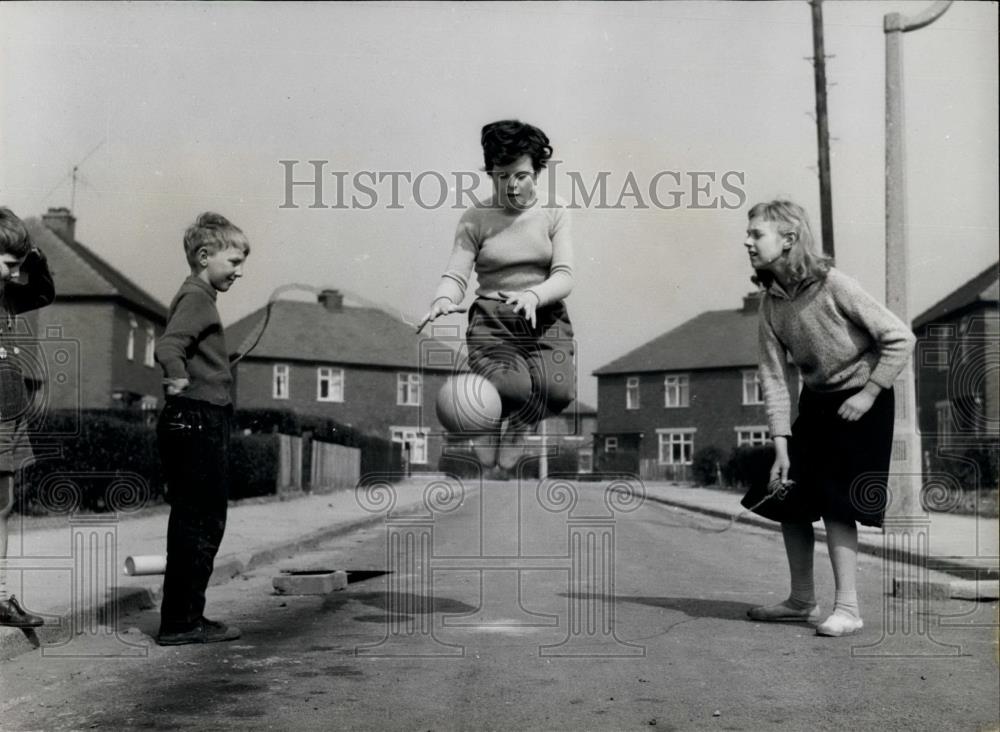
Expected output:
(70, 569)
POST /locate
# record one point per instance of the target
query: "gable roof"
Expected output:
(712, 340)
(580, 408)
(576, 408)
(983, 288)
(79, 272)
(308, 331)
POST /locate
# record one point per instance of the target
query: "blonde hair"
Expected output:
(213, 233)
(803, 260)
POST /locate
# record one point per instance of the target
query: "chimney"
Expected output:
(62, 223)
(751, 301)
(332, 300)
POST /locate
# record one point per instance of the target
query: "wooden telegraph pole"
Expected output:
(822, 127)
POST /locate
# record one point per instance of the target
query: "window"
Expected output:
(676, 391)
(150, 356)
(751, 388)
(752, 436)
(584, 461)
(130, 344)
(281, 386)
(632, 392)
(408, 390)
(329, 384)
(413, 438)
(610, 444)
(676, 446)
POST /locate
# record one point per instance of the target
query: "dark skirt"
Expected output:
(533, 369)
(841, 468)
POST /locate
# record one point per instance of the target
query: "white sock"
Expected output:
(846, 603)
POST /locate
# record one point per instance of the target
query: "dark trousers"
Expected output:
(193, 438)
(532, 368)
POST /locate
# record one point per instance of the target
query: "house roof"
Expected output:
(307, 331)
(712, 340)
(579, 408)
(79, 272)
(983, 288)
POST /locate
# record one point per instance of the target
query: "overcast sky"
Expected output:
(191, 106)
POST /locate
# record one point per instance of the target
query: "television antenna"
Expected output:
(75, 176)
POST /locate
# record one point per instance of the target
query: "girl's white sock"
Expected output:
(846, 603)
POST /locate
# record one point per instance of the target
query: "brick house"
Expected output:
(956, 367)
(571, 432)
(694, 386)
(357, 365)
(95, 342)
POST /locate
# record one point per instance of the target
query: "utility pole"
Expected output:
(906, 465)
(822, 127)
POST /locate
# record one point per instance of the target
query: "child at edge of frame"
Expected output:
(194, 429)
(519, 337)
(849, 349)
(19, 258)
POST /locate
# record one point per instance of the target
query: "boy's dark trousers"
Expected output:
(193, 437)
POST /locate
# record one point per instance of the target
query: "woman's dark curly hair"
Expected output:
(509, 139)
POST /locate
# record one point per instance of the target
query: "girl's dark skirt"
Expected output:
(841, 468)
(533, 369)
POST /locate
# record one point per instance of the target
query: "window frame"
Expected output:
(633, 401)
(285, 370)
(754, 383)
(408, 384)
(686, 440)
(682, 388)
(333, 376)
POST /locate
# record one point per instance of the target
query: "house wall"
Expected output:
(369, 398)
(75, 338)
(134, 376)
(955, 364)
(715, 409)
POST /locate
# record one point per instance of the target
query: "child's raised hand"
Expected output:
(855, 408)
(525, 302)
(441, 306)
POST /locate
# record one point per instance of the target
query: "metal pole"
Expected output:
(543, 462)
(905, 467)
(822, 127)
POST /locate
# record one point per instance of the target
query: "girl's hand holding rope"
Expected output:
(441, 306)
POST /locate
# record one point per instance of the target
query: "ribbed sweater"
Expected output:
(838, 336)
(193, 346)
(511, 251)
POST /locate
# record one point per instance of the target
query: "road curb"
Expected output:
(14, 641)
(957, 566)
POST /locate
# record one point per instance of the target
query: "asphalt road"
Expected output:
(490, 624)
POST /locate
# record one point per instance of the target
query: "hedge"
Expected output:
(105, 443)
(121, 442)
(705, 465)
(748, 466)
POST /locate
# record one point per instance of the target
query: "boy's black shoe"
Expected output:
(15, 616)
(204, 631)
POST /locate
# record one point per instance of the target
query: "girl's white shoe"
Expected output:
(839, 624)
